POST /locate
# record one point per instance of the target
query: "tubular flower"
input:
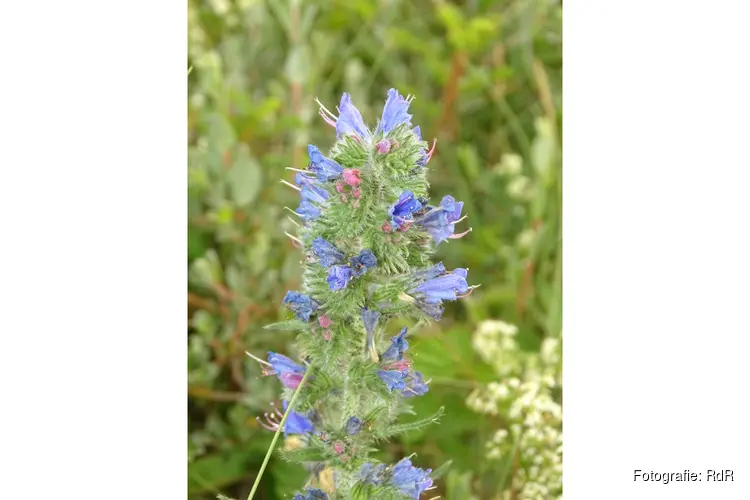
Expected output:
(402, 211)
(441, 221)
(324, 168)
(395, 112)
(410, 480)
(302, 305)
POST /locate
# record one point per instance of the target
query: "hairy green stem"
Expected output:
(278, 432)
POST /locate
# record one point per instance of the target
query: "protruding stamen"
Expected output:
(258, 359)
(459, 235)
(432, 150)
(295, 213)
(298, 170)
(471, 289)
(290, 185)
(459, 220)
(297, 242)
(293, 221)
(323, 108)
(327, 118)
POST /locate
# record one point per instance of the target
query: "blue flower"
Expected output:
(370, 318)
(311, 494)
(350, 120)
(402, 211)
(410, 480)
(327, 254)
(415, 386)
(395, 351)
(430, 272)
(302, 305)
(307, 210)
(362, 262)
(370, 473)
(289, 373)
(309, 189)
(395, 112)
(440, 221)
(324, 168)
(296, 423)
(445, 287)
(394, 379)
(339, 277)
(353, 425)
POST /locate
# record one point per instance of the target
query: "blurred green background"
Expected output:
(487, 75)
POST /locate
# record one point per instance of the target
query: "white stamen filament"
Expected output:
(258, 359)
(325, 109)
(290, 185)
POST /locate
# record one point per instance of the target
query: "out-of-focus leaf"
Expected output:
(244, 178)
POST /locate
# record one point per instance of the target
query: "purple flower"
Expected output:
(395, 112)
(430, 272)
(311, 494)
(402, 211)
(339, 277)
(394, 379)
(395, 351)
(324, 168)
(445, 287)
(353, 425)
(327, 254)
(440, 221)
(370, 473)
(370, 318)
(310, 190)
(307, 210)
(362, 262)
(415, 385)
(410, 480)
(302, 305)
(350, 120)
(296, 423)
(289, 372)
(435, 311)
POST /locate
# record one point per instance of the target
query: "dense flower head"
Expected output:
(311, 494)
(327, 254)
(410, 480)
(395, 112)
(289, 373)
(324, 168)
(440, 221)
(395, 351)
(302, 305)
(402, 212)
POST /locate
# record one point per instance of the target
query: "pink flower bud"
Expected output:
(339, 187)
(384, 146)
(387, 228)
(327, 335)
(338, 447)
(356, 193)
(351, 176)
(324, 321)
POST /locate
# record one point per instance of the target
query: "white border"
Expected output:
(656, 247)
(93, 205)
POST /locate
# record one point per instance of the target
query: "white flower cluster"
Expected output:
(524, 399)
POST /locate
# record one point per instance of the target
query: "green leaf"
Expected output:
(244, 178)
(290, 325)
(440, 471)
(397, 429)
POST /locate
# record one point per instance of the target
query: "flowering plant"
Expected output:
(368, 232)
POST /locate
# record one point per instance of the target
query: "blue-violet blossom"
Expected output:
(395, 112)
(324, 168)
(441, 221)
(402, 211)
(410, 480)
(398, 345)
(302, 305)
(327, 254)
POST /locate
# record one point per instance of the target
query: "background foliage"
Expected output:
(487, 76)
